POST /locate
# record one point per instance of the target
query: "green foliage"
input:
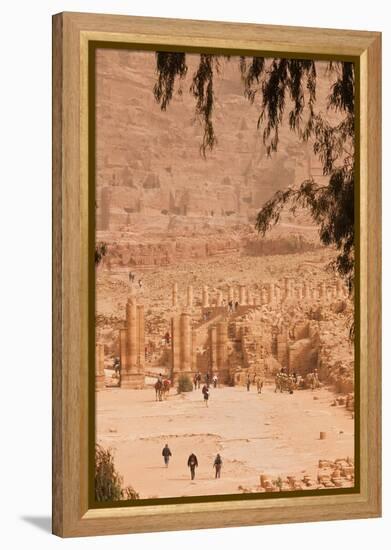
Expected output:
(184, 383)
(108, 482)
(273, 84)
(100, 252)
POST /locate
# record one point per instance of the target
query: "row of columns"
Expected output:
(270, 293)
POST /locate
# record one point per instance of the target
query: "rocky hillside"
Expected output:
(149, 161)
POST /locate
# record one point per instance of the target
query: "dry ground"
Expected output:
(277, 434)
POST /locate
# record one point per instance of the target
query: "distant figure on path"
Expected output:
(248, 384)
(259, 385)
(205, 393)
(140, 283)
(192, 463)
(217, 465)
(166, 453)
(214, 380)
(117, 365)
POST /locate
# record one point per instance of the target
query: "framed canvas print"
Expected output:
(216, 229)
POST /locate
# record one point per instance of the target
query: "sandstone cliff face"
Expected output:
(149, 161)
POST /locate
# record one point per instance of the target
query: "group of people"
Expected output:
(292, 381)
(192, 462)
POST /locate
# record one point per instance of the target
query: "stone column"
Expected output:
(300, 295)
(205, 296)
(189, 301)
(175, 294)
(231, 296)
(123, 349)
(185, 343)
(242, 295)
(141, 338)
(322, 291)
(131, 326)
(175, 347)
(277, 293)
(221, 349)
(194, 350)
(219, 300)
(271, 293)
(213, 344)
(288, 288)
(264, 296)
(99, 367)
(132, 375)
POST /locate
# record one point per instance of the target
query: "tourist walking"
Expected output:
(217, 464)
(192, 463)
(166, 453)
(205, 393)
(259, 385)
(117, 365)
(214, 380)
(248, 384)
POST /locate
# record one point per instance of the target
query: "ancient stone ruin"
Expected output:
(238, 333)
(332, 474)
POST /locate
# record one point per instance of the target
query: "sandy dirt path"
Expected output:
(277, 434)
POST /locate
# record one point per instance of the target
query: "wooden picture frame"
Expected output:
(72, 34)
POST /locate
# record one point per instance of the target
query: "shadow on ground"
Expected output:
(44, 523)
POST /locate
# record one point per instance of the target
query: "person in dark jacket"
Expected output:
(205, 393)
(192, 463)
(217, 464)
(166, 453)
